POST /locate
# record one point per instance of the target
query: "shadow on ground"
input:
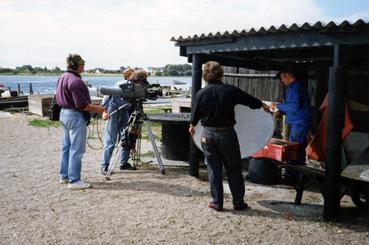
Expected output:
(148, 186)
(352, 218)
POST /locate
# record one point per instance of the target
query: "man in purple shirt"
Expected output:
(73, 97)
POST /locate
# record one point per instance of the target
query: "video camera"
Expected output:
(131, 91)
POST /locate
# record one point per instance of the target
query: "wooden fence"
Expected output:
(264, 86)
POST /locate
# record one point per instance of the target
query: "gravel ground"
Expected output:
(143, 206)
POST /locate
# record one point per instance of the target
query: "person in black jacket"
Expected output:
(215, 107)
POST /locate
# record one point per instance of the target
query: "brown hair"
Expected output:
(74, 60)
(139, 76)
(212, 70)
(127, 73)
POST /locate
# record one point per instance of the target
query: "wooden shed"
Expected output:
(334, 56)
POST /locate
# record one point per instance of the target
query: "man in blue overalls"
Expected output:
(297, 109)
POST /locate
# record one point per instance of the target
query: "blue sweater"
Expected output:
(296, 104)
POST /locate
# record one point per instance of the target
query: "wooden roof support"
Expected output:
(332, 190)
(195, 153)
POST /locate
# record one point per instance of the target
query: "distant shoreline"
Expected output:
(83, 74)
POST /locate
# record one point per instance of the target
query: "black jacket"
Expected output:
(215, 104)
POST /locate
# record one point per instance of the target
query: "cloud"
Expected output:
(113, 33)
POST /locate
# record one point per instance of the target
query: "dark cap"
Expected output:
(286, 70)
(75, 59)
(278, 75)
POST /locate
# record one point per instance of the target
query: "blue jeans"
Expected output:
(298, 133)
(221, 147)
(73, 144)
(115, 127)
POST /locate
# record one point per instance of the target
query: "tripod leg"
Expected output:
(113, 163)
(137, 150)
(157, 154)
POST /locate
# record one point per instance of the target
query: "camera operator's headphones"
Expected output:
(71, 63)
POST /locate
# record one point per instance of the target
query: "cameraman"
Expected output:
(115, 126)
(138, 77)
(73, 97)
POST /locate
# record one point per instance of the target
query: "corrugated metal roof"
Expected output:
(345, 26)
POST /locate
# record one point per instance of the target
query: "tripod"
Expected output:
(132, 138)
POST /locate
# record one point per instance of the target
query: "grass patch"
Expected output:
(156, 109)
(42, 123)
(148, 154)
(156, 131)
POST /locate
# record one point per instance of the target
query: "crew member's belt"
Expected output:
(219, 128)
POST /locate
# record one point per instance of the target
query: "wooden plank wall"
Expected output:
(39, 104)
(262, 85)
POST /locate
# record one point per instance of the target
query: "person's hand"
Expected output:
(191, 130)
(105, 115)
(273, 107)
(265, 107)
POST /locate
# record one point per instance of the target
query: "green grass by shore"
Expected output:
(155, 126)
(43, 123)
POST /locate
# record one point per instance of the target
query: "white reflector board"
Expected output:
(254, 129)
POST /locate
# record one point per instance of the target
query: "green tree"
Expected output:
(177, 70)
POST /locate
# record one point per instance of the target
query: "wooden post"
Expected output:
(334, 139)
(19, 89)
(30, 89)
(196, 86)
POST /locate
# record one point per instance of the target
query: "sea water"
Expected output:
(47, 84)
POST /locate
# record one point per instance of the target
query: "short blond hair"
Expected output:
(212, 70)
(127, 73)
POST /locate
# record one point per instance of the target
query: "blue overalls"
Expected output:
(297, 109)
(114, 128)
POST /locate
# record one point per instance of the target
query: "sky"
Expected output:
(114, 33)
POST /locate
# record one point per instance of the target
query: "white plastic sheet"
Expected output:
(254, 129)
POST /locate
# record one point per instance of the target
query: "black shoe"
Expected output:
(104, 170)
(243, 206)
(127, 166)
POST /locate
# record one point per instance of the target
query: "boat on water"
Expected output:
(2, 88)
(9, 99)
(177, 82)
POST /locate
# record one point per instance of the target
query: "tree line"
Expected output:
(176, 70)
(28, 69)
(168, 70)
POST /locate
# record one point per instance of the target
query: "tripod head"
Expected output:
(134, 124)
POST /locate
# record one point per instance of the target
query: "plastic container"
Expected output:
(280, 150)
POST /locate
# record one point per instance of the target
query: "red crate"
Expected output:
(280, 150)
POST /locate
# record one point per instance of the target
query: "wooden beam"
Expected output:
(336, 110)
(194, 154)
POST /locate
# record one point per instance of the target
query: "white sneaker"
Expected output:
(63, 181)
(79, 185)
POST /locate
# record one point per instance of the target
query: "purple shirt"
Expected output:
(72, 92)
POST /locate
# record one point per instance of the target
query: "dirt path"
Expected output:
(145, 207)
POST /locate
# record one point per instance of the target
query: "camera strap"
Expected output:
(125, 106)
